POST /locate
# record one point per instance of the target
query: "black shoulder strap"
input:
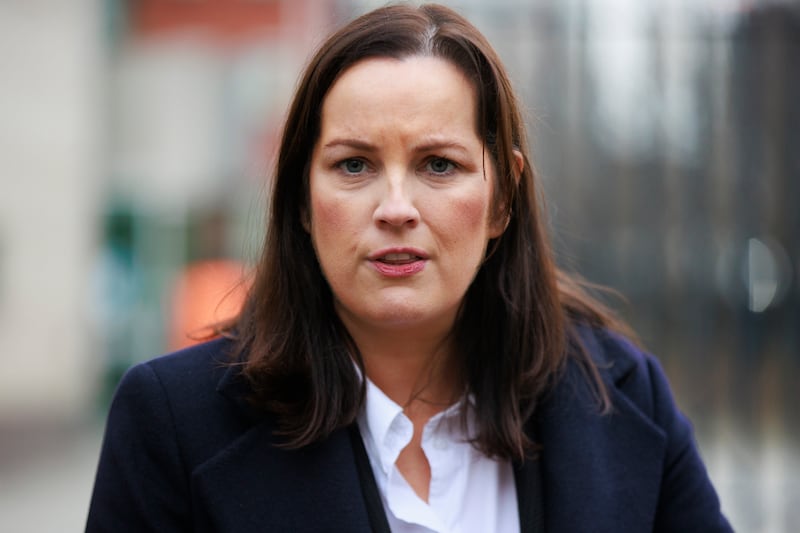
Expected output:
(530, 491)
(528, 478)
(372, 498)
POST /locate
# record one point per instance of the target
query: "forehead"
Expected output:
(414, 88)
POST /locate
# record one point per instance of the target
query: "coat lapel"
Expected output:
(600, 473)
(254, 486)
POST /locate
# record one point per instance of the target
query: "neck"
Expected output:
(414, 367)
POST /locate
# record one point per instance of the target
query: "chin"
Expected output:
(403, 311)
(398, 318)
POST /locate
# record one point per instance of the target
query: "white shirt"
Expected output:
(469, 492)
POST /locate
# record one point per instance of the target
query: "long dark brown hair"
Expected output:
(515, 327)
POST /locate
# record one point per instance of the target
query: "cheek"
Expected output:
(333, 232)
(332, 212)
(328, 217)
(467, 217)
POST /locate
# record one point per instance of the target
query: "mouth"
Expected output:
(398, 258)
(398, 263)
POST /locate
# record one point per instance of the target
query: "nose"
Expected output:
(396, 207)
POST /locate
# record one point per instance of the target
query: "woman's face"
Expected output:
(400, 193)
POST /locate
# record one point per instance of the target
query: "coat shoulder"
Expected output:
(627, 369)
(200, 366)
(644, 443)
(200, 389)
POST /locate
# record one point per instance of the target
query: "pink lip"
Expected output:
(399, 269)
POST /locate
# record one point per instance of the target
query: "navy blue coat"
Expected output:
(183, 452)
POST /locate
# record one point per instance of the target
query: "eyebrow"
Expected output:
(425, 146)
(433, 145)
(350, 143)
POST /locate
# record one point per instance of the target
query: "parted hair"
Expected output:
(516, 326)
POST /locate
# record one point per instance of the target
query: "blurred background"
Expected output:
(135, 143)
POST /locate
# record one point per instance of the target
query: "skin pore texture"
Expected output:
(400, 216)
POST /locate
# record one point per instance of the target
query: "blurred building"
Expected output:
(126, 126)
(51, 181)
(197, 91)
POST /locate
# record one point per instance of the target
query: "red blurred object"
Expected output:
(206, 293)
(229, 19)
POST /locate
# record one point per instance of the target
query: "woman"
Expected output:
(409, 357)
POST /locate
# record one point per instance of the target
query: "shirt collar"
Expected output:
(379, 412)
